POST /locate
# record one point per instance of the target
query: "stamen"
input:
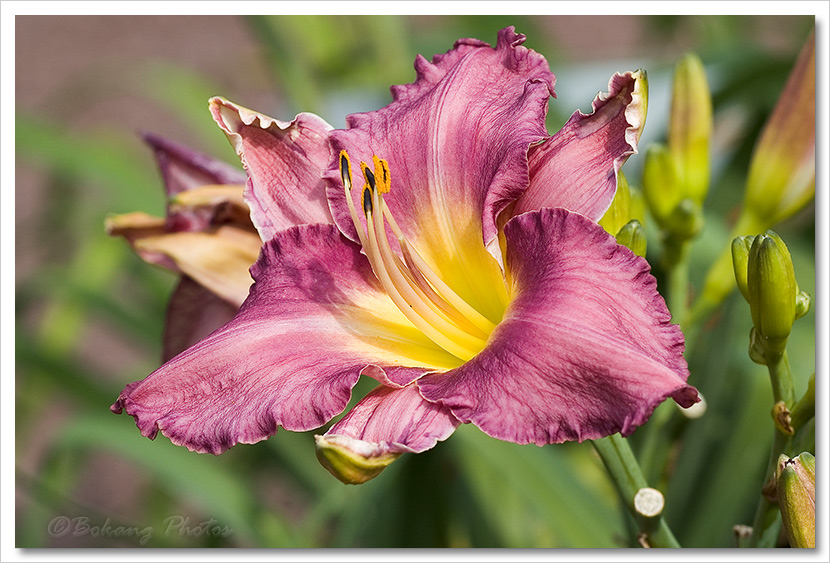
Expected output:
(438, 330)
(413, 286)
(415, 262)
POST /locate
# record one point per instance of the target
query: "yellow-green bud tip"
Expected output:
(633, 237)
(352, 461)
(796, 484)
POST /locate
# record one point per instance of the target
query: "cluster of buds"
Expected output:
(676, 175)
(765, 277)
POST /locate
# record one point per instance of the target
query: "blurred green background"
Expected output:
(89, 313)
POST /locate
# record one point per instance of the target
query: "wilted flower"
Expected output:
(207, 237)
(468, 276)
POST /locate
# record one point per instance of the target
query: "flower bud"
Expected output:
(633, 236)
(660, 186)
(350, 460)
(782, 173)
(740, 262)
(619, 212)
(802, 304)
(686, 220)
(772, 290)
(690, 127)
(796, 484)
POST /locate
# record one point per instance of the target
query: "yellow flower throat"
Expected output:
(429, 303)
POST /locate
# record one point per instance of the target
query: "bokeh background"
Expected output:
(89, 314)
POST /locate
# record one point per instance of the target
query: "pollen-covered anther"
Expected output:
(412, 285)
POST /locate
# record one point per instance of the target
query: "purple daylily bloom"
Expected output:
(468, 276)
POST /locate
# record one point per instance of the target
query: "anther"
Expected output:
(345, 170)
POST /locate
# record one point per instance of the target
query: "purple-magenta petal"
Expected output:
(285, 163)
(456, 142)
(314, 319)
(390, 420)
(586, 348)
(192, 313)
(183, 168)
(576, 168)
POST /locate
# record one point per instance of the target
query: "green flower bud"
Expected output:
(772, 290)
(633, 236)
(660, 185)
(740, 262)
(802, 304)
(686, 220)
(690, 127)
(796, 483)
(350, 460)
(619, 213)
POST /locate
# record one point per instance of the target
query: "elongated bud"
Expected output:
(772, 290)
(352, 461)
(633, 236)
(782, 173)
(796, 484)
(660, 185)
(619, 212)
(690, 127)
(740, 262)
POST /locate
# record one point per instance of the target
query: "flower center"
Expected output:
(429, 303)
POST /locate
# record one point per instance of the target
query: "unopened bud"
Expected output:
(782, 173)
(740, 261)
(350, 460)
(660, 185)
(802, 304)
(619, 212)
(690, 127)
(772, 290)
(796, 485)
(633, 237)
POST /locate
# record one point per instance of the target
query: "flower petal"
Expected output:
(284, 160)
(456, 142)
(218, 258)
(586, 348)
(192, 313)
(183, 168)
(384, 424)
(397, 420)
(184, 171)
(576, 168)
(314, 319)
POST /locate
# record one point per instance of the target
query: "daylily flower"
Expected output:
(468, 276)
(207, 237)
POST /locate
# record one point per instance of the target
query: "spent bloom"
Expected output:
(445, 246)
(207, 237)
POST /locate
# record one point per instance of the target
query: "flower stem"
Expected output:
(624, 470)
(676, 263)
(767, 524)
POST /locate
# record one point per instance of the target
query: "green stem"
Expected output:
(624, 470)
(677, 274)
(767, 524)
